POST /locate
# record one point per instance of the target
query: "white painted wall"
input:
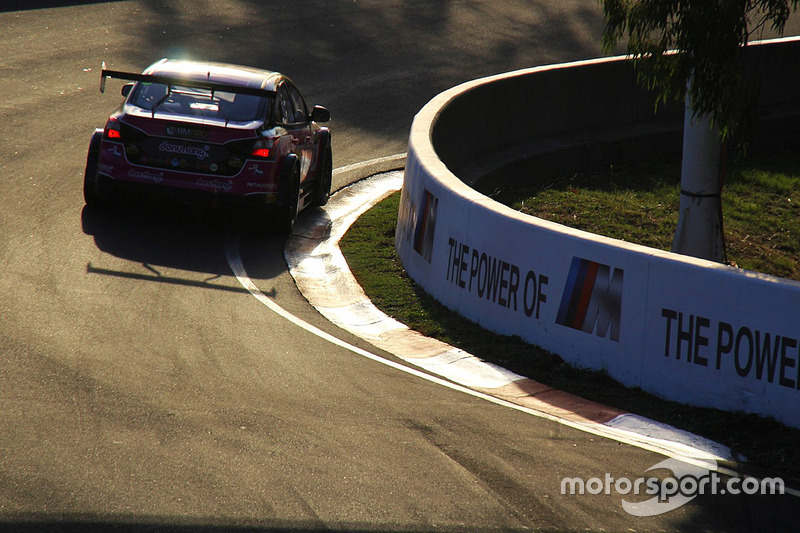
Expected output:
(683, 329)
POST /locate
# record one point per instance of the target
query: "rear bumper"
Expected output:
(256, 184)
(160, 193)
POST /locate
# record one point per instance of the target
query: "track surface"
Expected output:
(142, 387)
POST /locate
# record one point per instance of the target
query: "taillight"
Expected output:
(112, 130)
(262, 148)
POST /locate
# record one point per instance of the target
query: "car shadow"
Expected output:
(163, 236)
(23, 5)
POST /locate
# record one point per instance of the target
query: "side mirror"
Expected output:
(126, 89)
(320, 114)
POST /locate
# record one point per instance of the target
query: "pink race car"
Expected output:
(212, 132)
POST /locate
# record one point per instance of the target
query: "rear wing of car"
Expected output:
(171, 81)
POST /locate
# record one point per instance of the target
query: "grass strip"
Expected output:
(639, 204)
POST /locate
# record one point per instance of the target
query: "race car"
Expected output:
(213, 133)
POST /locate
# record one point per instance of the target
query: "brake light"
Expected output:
(112, 131)
(262, 148)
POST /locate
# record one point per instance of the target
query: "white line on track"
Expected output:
(371, 163)
(669, 449)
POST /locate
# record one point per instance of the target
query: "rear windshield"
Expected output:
(194, 102)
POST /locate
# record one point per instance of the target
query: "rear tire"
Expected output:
(288, 211)
(322, 189)
(93, 194)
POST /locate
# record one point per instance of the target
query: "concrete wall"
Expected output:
(684, 329)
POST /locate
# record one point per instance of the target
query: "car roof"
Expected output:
(217, 73)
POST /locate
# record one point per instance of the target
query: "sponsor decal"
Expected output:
(405, 217)
(753, 353)
(592, 297)
(103, 167)
(260, 185)
(195, 151)
(256, 169)
(426, 225)
(155, 177)
(495, 280)
(115, 150)
(469, 269)
(215, 184)
(183, 131)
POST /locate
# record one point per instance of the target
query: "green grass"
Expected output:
(761, 207)
(649, 211)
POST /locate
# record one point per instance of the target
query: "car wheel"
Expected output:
(92, 192)
(322, 190)
(288, 213)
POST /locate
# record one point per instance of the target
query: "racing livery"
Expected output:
(212, 132)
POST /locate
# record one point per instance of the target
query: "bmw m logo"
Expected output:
(592, 299)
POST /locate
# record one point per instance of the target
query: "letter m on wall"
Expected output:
(592, 299)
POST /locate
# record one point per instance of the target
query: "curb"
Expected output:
(324, 278)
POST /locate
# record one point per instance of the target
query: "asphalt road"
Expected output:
(142, 388)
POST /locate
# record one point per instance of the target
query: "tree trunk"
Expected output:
(699, 232)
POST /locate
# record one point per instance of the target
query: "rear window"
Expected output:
(194, 102)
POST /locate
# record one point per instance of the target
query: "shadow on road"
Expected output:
(170, 526)
(188, 238)
(25, 5)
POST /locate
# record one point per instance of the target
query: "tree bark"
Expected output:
(699, 232)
